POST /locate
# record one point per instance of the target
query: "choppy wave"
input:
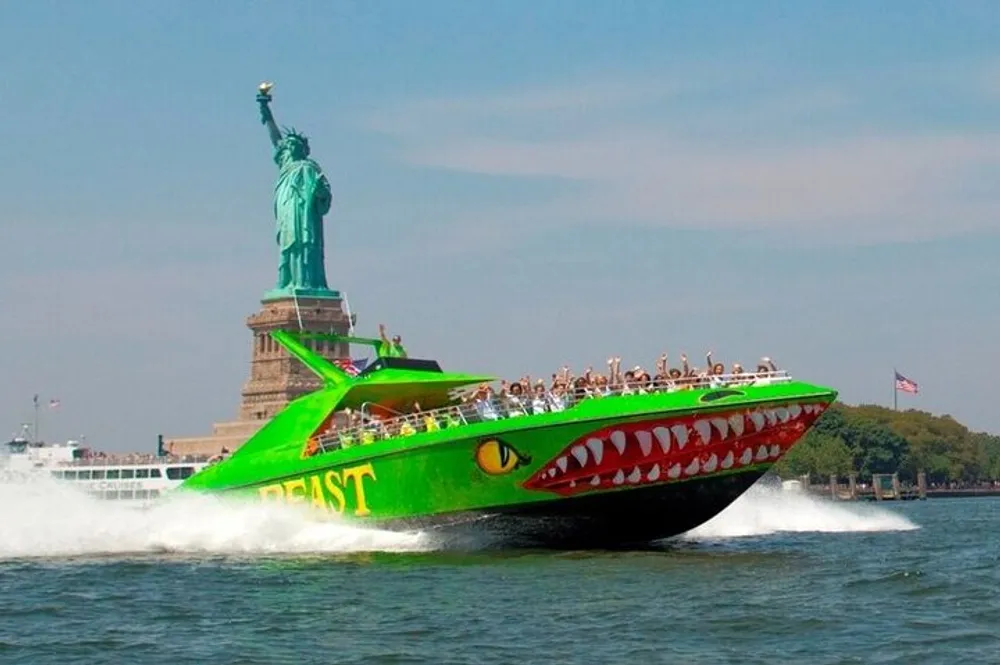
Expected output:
(44, 518)
(764, 510)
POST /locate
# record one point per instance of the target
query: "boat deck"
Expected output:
(508, 406)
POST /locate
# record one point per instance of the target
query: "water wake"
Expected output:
(44, 518)
(765, 510)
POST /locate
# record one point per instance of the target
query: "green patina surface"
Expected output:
(430, 473)
(302, 196)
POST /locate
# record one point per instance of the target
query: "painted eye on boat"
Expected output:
(498, 458)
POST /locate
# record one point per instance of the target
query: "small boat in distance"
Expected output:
(397, 447)
(135, 479)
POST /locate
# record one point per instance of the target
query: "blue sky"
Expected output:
(517, 186)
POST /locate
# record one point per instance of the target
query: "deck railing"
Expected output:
(127, 460)
(498, 407)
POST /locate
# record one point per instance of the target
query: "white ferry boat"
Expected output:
(136, 478)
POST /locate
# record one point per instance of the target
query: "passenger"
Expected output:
(451, 419)
(765, 371)
(405, 428)
(483, 401)
(390, 348)
(514, 400)
(539, 403)
(557, 397)
(715, 372)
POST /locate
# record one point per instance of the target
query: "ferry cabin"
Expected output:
(117, 480)
(128, 483)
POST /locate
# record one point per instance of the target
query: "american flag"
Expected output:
(352, 367)
(904, 384)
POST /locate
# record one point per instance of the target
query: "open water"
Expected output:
(778, 578)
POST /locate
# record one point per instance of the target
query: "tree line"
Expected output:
(869, 439)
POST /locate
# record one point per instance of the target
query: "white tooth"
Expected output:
(808, 408)
(711, 464)
(761, 454)
(820, 408)
(645, 440)
(794, 411)
(580, 453)
(758, 420)
(654, 473)
(782, 414)
(619, 478)
(746, 457)
(552, 473)
(595, 481)
(722, 425)
(772, 417)
(704, 429)
(572, 483)
(562, 462)
(596, 449)
(693, 467)
(775, 451)
(635, 476)
(680, 435)
(674, 471)
(727, 461)
(736, 423)
(662, 435)
(618, 439)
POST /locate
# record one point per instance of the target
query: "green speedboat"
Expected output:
(395, 447)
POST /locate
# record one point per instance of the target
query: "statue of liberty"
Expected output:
(301, 197)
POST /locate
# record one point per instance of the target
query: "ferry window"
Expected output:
(142, 494)
(155, 473)
(125, 494)
(127, 473)
(112, 474)
(154, 493)
(57, 474)
(179, 472)
(70, 475)
(111, 495)
(142, 473)
(83, 475)
(97, 474)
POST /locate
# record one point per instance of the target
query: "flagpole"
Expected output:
(36, 418)
(895, 392)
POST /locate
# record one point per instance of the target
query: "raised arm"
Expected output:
(266, 117)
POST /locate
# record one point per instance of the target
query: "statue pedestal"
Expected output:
(276, 378)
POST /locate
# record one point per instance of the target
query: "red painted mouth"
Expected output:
(670, 449)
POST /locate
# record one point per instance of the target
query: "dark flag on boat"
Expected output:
(904, 384)
(352, 367)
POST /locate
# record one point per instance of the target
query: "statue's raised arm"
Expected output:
(266, 117)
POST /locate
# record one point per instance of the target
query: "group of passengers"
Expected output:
(524, 397)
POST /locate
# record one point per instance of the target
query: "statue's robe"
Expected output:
(301, 197)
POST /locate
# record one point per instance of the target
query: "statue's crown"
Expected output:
(290, 133)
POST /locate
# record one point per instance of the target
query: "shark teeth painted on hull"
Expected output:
(658, 450)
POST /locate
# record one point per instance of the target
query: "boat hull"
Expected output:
(633, 519)
(614, 472)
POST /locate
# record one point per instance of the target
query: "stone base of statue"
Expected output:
(276, 378)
